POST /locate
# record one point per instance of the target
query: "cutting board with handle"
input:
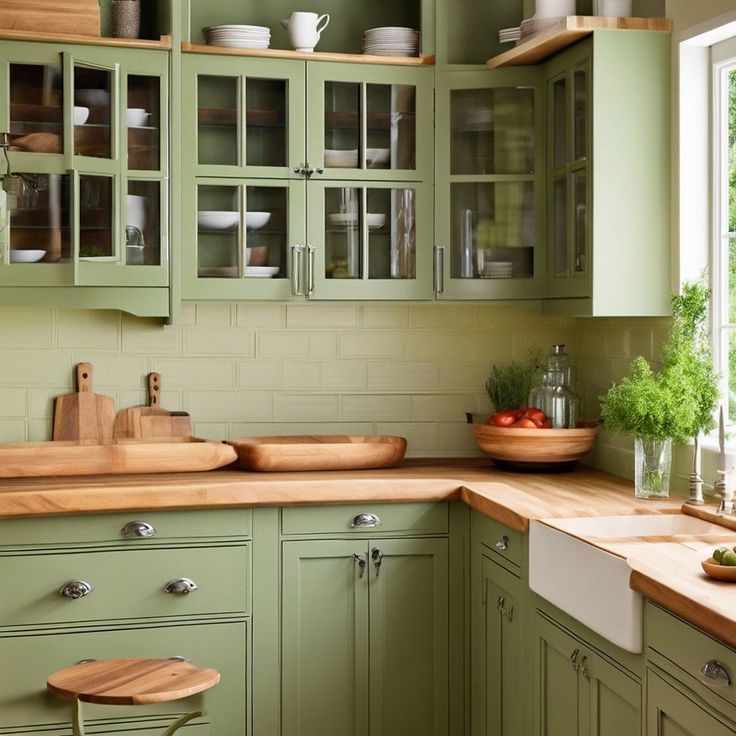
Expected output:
(152, 421)
(84, 415)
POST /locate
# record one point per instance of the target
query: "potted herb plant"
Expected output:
(674, 403)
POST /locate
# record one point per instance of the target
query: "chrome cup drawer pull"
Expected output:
(138, 529)
(181, 586)
(503, 543)
(715, 673)
(365, 521)
(75, 589)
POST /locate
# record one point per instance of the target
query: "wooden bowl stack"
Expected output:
(548, 450)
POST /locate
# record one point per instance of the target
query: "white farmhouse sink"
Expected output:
(591, 584)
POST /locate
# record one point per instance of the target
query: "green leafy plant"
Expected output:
(508, 385)
(678, 401)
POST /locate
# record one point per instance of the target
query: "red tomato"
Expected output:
(546, 424)
(525, 423)
(536, 415)
(503, 418)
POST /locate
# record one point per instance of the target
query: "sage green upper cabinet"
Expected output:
(87, 205)
(608, 175)
(489, 190)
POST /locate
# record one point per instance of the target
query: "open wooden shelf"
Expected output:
(567, 32)
(312, 56)
(163, 43)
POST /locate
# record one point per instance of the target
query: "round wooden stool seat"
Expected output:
(131, 681)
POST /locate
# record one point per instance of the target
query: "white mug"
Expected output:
(554, 8)
(304, 29)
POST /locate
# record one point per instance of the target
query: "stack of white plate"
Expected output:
(391, 41)
(238, 37)
(532, 26)
(508, 35)
(498, 270)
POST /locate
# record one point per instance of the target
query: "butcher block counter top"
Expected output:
(667, 573)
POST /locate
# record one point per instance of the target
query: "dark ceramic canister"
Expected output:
(126, 18)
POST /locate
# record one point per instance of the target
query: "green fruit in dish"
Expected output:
(729, 558)
(718, 554)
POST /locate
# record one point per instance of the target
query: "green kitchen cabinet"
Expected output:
(364, 647)
(84, 219)
(578, 690)
(490, 184)
(608, 176)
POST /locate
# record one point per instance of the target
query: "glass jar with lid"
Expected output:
(554, 394)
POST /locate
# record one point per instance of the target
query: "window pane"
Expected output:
(95, 217)
(265, 122)
(219, 232)
(343, 233)
(217, 131)
(93, 112)
(143, 224)
(266, 232)
(143, 118)
(390, 126)
(36, 112)
(342, 125)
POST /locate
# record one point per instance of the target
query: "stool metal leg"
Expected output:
(77, 718)
(179, 722)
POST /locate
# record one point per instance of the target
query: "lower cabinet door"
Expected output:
(408, 637)
(27, 661)
(497, 655)
(670, 713)
(324, 645)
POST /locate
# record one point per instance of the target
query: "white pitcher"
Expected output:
(304, 29)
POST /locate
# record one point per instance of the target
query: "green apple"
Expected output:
(718, 554)
(729, 558)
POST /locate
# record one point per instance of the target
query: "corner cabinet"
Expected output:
(608, 176)
(489, 197)
(87, 203)
(305, 179)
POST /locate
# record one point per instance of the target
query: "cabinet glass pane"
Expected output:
(143, 118)
(93, 93)
(492, 131)
(218, 231)
(265, 121)
(39, 218)
(559, 226)
(217, 129)
(95, 217)
(390, 126)
(143, 224)
(343, 233)
(492, 230)
(391, 220)
(342, 125)
(266, 231)
(559, 122)
(36, 108)
(580, 112)
(580, 191)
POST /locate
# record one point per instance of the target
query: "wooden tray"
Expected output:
(319, 452)
(114, 457)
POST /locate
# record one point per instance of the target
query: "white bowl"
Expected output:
(218, 219)
(343, 219)
(377, 156)
(26, 256)
(343, 159)
(375, 219)
(256, 220)
(136, 117)
(92, 97)
(81, 115)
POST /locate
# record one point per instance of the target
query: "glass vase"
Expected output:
(653, 460)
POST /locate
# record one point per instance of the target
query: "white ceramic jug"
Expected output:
(304, 29)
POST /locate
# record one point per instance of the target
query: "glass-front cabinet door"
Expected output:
(86, 196)
(369, 123)
(569, 182)
(248, 238)
(489, 185)
(369, 241)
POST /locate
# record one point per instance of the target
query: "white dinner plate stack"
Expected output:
(532, 26)
(498, 270)
(391, 41)
(509, 35)
(238, 37)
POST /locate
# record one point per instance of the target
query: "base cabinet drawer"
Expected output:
(28, 660)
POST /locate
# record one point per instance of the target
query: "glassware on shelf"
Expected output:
(554, 394)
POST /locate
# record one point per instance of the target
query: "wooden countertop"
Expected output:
(667, 573)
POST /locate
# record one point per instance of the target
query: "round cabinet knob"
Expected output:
(138, 529)
(75, 589)
(181, 586)
(365, 521)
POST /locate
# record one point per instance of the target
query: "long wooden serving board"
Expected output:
(113, 457)
(319, 452)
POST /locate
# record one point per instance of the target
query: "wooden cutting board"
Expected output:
(152, 421)
(84, 415)
(75, 17)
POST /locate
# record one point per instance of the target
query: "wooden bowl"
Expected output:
(719, 572)
(534, 449)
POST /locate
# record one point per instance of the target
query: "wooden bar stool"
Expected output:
(130, 682)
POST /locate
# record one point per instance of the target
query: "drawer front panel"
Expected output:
(125, 584)
(366, 519)
(91, 528)
(499, 539)
(29, 660)
(690, 650)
